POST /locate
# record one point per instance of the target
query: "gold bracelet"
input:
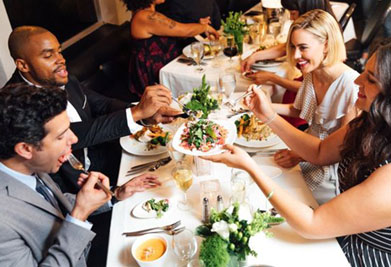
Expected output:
(270, 195)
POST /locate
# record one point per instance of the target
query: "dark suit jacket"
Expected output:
(103, 122)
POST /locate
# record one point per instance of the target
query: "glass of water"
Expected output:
(185, 247)
(227, 83)
(197, 54)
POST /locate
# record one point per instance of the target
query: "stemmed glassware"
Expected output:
(230, 49)
(227, 83)
(197, 54)
(185, 246)
(183, 177)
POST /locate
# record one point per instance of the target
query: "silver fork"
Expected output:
(77, 165)
(169, 232)
(158, 228)
(236, 101)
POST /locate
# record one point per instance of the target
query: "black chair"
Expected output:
(355, 47)
(347, 15)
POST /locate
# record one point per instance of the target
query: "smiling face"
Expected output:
(55, 147)
(42, 62)
(368, 85)
(308, 50)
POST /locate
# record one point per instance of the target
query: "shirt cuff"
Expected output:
(133, 126)
(86, 225)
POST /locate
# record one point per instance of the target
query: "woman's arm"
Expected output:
(286, 110)
(147, 23)
(365, 207)
(270, 53)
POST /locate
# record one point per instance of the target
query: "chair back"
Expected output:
(347, 15)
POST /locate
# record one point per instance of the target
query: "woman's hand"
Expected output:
(262, 77)
(259, 104)
(245, 65)
(234, 157)
(287, 158)
(137, 184)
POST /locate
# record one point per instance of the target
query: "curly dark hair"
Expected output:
(304, 6)
(24, 111)
(368, 141)
(134, 5)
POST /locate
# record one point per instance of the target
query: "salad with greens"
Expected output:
(158, 206)
(203, 135)
(201, 101)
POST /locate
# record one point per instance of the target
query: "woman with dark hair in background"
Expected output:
(361, 215)
(154, 41)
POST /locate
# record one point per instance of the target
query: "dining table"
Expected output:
(285, 248)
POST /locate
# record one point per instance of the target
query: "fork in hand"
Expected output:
(77, 165)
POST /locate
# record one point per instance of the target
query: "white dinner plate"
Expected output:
(271, 171)
(139, 212)
(132, 146)
(270, 141)
(187, 52)
(231, 135)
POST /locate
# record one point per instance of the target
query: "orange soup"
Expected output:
(151, 249)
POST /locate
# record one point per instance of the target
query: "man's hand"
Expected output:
(154, 97)
(90, 196)
(205, 20)
(137, 184)
(287, 158)
(164, 115)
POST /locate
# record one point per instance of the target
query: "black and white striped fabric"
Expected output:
(370, 249)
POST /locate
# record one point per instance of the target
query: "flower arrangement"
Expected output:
(229, 233)
(235, 26)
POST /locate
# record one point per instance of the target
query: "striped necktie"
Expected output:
(45, 192)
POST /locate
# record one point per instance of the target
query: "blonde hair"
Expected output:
(326, 29)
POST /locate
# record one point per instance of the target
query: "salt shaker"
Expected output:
(205, 210)
(220, 203)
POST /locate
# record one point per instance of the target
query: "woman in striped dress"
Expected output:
(361, 214)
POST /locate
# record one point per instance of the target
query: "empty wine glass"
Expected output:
(197, 53)
(185, 246)
(183, 177)
(227, 83)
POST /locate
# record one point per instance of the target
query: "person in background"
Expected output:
(155, 41)
(96, 120)
(296, 8)
(39, 225)
(360, 217)
(327, 96)
(186, 11)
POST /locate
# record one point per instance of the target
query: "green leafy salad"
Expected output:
(201, 100)
(158, 206)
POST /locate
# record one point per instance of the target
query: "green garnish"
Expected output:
(198, 130)
(201, 101)
(158, 206)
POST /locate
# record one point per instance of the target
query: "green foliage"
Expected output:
(158, 206)
(201, 101)
(214, 252)
(200, 129)
(234, 25)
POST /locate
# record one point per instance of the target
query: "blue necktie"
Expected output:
(45, 192)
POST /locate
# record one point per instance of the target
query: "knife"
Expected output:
(148, 164)
(153, 166)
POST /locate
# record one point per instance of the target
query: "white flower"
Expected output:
(221, 228)
(232, 227)
(257, 242)
(245, 213)
(230, 209)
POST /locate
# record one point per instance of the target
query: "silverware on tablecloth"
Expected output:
(77, 165)
(159, 228)
(169, 232)
(153, 166)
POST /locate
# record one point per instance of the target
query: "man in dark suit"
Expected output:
(39, 225)
(96, 120)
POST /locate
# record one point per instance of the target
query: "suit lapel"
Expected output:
(56, 191)
(78, 99)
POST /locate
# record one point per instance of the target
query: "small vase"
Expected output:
(239, 42)
(234, 262)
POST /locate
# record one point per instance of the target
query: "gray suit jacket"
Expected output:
(33, 232)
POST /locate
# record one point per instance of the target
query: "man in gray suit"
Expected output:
(40, 226)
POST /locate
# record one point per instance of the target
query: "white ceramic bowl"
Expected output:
(156, 263)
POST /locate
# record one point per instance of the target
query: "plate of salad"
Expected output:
(204, 137)
(151, 208)
(148, 141)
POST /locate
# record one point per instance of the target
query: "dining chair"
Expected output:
(355, 47)
(346, 16)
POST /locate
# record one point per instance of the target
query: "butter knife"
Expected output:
(153, 166)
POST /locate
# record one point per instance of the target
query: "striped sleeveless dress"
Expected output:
(370, 249)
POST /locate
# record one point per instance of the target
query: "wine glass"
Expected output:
(183, 177)
(185, 246)
(197, 54)
(227, 83)
(231, 49)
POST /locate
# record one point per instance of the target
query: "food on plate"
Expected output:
(201, 102)
(203, 135)
(153, 136)
(151, 249)
(207, 50)
(160, 206)
(251, 128)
